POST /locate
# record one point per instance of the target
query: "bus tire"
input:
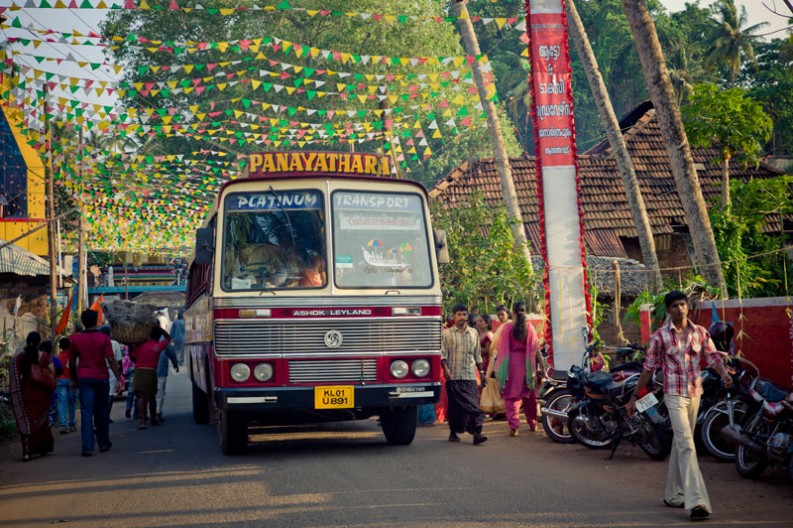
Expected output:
(399, 425)
(232, 432)
(200, 406)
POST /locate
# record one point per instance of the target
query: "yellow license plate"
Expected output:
(335, 397)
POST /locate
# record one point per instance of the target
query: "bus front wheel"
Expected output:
(232, 432)
(399, 425)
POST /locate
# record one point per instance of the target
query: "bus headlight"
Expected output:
(399, 369)
(420, 368)
(263, 372)
(240, 372)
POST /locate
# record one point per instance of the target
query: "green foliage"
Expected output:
(729, 118)
(411, 38)
(772, 86)
(732, 41)
(486, 269)
(753, 262)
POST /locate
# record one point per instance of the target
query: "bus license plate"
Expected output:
(335, 397)
(647, 401)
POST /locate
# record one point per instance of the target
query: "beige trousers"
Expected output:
(684, 482)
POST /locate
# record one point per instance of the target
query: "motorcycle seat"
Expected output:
(633, 366)
(600, 380)
(769, 391)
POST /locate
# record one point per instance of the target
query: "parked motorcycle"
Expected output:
(768, 435)
(721, 407)
(598, 418)
(555, 400)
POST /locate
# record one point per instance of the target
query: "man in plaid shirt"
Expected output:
(461, 358)
(678, 348)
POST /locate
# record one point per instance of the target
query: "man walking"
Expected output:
(92, 352)
(678, 348)
(461, 358)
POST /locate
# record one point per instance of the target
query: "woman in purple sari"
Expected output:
(516, 369)
(30, 400)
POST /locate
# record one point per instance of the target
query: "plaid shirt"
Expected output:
(462, 352)
(679, 354)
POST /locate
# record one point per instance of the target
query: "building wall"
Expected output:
(12, 228)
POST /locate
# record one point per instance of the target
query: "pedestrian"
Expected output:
(31, 383)
(678, 347)
(518, 366)
(177, 337)
(128, 366)
(461, 360)
(46, 347)
(162, 377)
(146, 357)
(484, 325)
(92, 352)
(67, 396)
(503, 314)
(118, 355)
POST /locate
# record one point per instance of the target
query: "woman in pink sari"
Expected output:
(30, 400)
(516, 368)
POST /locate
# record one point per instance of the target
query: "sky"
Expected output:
(757, 10)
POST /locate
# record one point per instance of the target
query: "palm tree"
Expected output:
(733, 42)
(656, 76)
(618, 147)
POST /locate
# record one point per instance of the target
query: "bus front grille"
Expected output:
(333, 371)
(300, 337)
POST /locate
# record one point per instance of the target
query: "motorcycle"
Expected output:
(767, 437)
(555, 400)
(598, 419)
(721, 407)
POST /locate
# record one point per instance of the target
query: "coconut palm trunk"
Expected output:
(725, 183)
(471, 45)
(619, 149)
(662, 94)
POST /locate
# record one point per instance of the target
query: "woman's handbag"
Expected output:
(43, 377)
(491, 401)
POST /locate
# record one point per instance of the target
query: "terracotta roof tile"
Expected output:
(606, 212)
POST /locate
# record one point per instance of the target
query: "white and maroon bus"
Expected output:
(314, 296)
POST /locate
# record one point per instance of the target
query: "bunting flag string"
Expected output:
(286, 47)
(500, 22)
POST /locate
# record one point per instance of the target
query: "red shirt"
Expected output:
(680, 355)
(147, 355)
(91, 349)
(64, 357)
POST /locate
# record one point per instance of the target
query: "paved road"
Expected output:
(346, 475)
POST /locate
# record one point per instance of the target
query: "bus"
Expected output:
(313, 295)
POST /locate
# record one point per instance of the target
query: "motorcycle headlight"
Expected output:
(399, 369)
(420, 368)
(240, 372)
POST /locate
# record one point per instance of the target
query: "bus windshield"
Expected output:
(380, 240)
(274, 240)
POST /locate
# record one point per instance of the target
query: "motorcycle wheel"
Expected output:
(657, 444)
(556, 428)
(748, 463)
(591, 439)
(711, 431)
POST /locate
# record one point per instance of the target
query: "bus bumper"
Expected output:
(303, 398)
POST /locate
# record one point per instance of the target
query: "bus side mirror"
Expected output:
(441, 249)
(204, 245)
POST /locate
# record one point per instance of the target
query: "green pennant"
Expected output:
(297, 82)
(284, 5)
(463, 111)
(142, 70)
(403, 19)
(246, 103)
(291, 110)
(311, 94)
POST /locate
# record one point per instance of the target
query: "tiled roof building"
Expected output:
(608, 227)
